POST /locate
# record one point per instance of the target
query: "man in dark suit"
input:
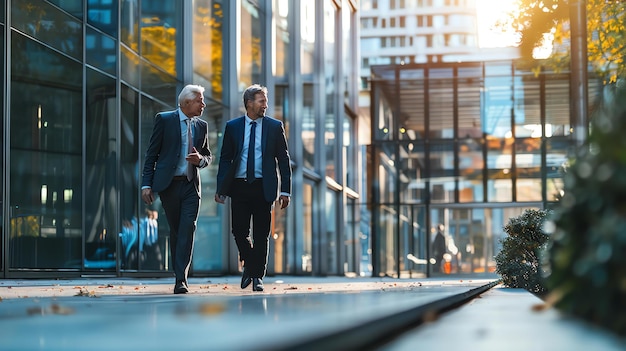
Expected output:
(179, 147)
(254, 152)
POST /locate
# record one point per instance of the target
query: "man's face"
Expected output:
(258, 106)
(194, 108)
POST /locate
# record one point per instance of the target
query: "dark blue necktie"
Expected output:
(251, 144)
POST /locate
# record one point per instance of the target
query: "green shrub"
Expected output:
(518, 262)
(587, 255)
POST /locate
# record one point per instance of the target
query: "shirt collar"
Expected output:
(182, 116)
(249, 120)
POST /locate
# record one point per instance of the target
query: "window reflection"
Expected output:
(499, 163)
(308, 197)
(101, 173)
(159, 22)
(208, 50)
(102, 14)
(412, 170)
(308, 126)
(48, 24)
(130, 23)
(471, 164)
(442, 179)
(307, 36)
(250, 53)
(101, 51)
(281, 40)
(45, 199)
(330, 58)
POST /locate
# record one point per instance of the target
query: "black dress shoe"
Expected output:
(180, 288)
(257, 284)
(245, 279)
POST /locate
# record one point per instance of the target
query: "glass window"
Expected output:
(497, 101)
(558, 105)
(412, 171)
(149, 109)
(386, 174)
(557, 151)
(527, 108)
(350, 69)
(160, 21)
(129, 67)
(499, 163)
(101, 173)
(528, 168)
(208, 46)
(471, 165)
(73, 7)
(308, 127)
(307, 36)
(101, 51)
(441, 103)
(385, 123)
(350, 165)
(281, 41)
(332, 236)
(159, 84)
(45, 199)
(130, 22)
(469, 91)
(102, 14)
(278, 260)
(50, 25)
(308, 207)
(330, 69)
(442, 180)
(250, 54)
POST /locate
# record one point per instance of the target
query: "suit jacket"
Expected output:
(275, 157)
(163, 151)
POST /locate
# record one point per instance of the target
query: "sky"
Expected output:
(488, 12)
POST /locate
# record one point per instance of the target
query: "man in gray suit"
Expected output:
(254, 151)
(179, 147)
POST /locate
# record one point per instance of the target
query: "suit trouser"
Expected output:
(181, 204)
(248, 202)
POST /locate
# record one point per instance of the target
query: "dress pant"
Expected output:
(181, 204)
(248, 202)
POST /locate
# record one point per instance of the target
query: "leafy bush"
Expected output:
(587, 256)
(518, 262)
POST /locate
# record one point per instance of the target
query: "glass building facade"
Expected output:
(466, 145)
(82, 82)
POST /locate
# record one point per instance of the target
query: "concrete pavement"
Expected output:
(294, 313)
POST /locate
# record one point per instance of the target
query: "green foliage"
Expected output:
(518, 262)
(587, 260)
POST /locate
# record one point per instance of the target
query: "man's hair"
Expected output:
(251, 91)
(189, 92)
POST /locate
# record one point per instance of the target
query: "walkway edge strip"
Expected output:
(374, 333)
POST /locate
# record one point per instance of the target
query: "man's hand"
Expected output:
(220, 199)
(284, 201)
(194, 157)
(147, 196)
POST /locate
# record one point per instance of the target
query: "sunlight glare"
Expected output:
(488, 13)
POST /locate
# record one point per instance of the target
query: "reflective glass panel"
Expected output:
(441, 103)
(412, 242)
(101, 51)
(527, 102)
(557, 151)
(497, 101)
(471, 166)
(250, 53)
(330, 59)
(499, 163)
(332, 237)
(350, 70)
(412, 171)
(101, 173)
(208, 46)
(558, 105)
(528, 168)
(129, 33)
(159, 84)
(307, 233)
(386, 174)
(50, 25)
(350, 165)
(45, 200)
(442, 180)
(129, 66)
(74, 7)
(281, 41)
(159, 23)
(469, 92)
(308, 126)
(307, 36)
(102, 14)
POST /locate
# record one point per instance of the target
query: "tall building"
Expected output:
(82, 82)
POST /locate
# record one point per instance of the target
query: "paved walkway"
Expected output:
(293, 313)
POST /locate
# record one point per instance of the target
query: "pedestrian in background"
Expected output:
(178, 148)
(254, 152)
